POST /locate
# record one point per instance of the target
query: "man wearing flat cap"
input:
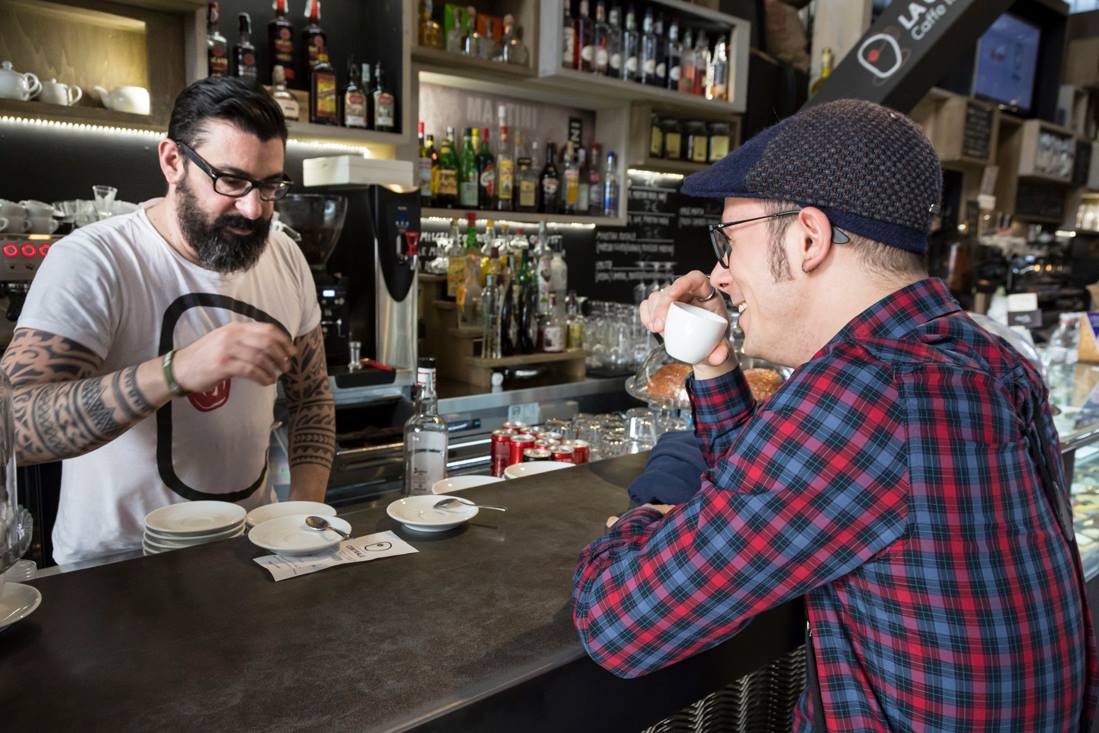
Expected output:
(905, 479)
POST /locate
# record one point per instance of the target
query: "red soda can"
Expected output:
(501, 451)
(563, 452)
(518, 444)
(581, 451)
(534, 455)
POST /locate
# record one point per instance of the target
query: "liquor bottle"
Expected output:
(574, 324)
(569, 50)
(286, 101)
(558, 274)
(595, 184)
(610, 186)
(491, 346)
(487, 173)
(323, 97)
(467, 171)
(244, 53)
(583, 194)
(553, 330)
(382, 102)
(542, 262)
(585, 37)
(825, 70)
(600, 42)
(471, 42)
(456, 33)
(469, 294)
(572, 180)
(526, 177)
(648, 49)
(456, 260)
(490, 260)
(431, 35)
(425, 436)
(433, 153)
(549, 183)
(614, 42)
(512, 48)
(314, 43)
(446, 193)
(702, 64)
(507, 311)
(631, 48)
(217, 48)
(686, 65)
(718, 87)
(489, 47)
(423, 166)
(280, 44)
(527, 305)
(661, 79)
(354, 98)
(674, 51)
(505, 172)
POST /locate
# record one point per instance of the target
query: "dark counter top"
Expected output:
(473, 632)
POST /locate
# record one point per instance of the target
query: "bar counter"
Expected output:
(472, 633)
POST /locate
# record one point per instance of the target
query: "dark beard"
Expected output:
(217, 248)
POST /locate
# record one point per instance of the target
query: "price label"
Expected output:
(528, 413)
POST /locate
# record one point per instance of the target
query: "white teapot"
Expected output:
(54, 92)
(14, 85)
(125, 99)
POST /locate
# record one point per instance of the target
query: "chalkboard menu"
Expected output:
(977, 136)
(666, 231)
(1039, 201)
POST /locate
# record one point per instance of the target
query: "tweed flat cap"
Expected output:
(870, 169)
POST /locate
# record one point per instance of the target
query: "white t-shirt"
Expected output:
(119, 289)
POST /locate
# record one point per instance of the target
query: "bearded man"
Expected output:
(147, 354)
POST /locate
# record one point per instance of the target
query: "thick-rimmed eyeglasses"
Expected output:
(722, 241)
(233, 185)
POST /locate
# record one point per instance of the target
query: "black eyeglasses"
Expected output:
(233, 185)
(723, 243)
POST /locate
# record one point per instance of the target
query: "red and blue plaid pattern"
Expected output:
(889, 482)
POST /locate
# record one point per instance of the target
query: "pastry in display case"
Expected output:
(661, 381)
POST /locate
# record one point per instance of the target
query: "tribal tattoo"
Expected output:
(61, 410)
(312, 412)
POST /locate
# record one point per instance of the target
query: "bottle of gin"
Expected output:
(425, 436)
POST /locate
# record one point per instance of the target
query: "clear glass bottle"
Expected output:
(454, 35)
(673, 51)
(552, 336)
(648, 49)
(574, 324)
(585, 37)
(595, 183)
(569, 49)
(718, 87)
(702, 65)
(610, 186)
(286, 101)
(614, 42)
(471, 41)
(425, 436)
(601, 58)
(456, 260)
(687, 65)
(512, 49)
(490, 319)
(661, 79)
(631, 48)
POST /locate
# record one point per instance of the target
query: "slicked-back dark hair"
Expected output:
(241, 103)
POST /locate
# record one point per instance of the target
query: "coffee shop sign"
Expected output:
(921, 17)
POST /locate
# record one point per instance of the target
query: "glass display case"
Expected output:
(1074, 395)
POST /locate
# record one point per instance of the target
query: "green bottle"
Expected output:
(469, 178)
(446, 192)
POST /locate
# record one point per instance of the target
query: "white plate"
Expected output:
(261, 514)
(290, 535)
(418, 513)
(160, 543)
(194, 539)
(519, 470)
(195, 517)
(17, 601)
(460, 483)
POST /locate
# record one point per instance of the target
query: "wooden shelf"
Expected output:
(470, 65)
(305, 131)
(78, 115)
(522, 217)
(595, 86)
(527, 359)
(666, 165)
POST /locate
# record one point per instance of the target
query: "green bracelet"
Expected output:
(173, 385)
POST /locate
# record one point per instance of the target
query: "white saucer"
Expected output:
(291, 536)
(17, 601)
(160, 543)
(194, 539)
(519, 470)
(195, 517)
(460, 483)
(261, 514)
(418, 513)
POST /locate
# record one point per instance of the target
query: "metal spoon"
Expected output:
(322, 524)
(450, 501)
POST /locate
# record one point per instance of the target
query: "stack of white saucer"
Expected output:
(191, 523)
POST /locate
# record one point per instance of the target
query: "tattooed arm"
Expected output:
(60, 409)
(312, 418)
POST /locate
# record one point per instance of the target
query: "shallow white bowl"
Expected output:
(519, 470)
(460, 483)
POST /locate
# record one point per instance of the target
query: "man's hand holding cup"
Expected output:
(691, 316)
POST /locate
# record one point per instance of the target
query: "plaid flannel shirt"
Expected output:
(889, 482)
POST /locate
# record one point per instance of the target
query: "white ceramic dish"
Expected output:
(194, 518)
(17, 601)
(290, 536)
(261, 514)
(691, 333)
(194, 539)
(519, 470)
(419, 513)
(160, 543)
(461, 483)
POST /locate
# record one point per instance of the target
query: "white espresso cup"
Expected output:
(16, 225)
(43, 225)
(691, 333)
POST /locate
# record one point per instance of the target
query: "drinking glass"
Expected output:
(104, 199)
